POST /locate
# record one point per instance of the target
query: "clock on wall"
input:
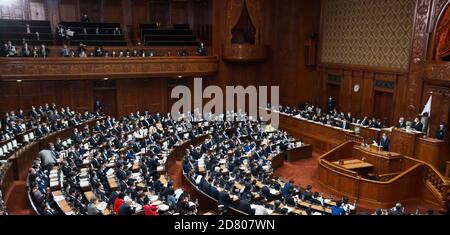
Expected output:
(356, 88)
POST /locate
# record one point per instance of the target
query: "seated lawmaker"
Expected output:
(66, 51)
(441, 133)
(43, 51)
(384, 143)
(345, 125)
(417, 125)
(401, 123)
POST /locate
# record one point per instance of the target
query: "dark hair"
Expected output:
(378, 212)
(345, 200)
(338, 203)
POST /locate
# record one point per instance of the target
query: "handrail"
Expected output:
(334, 149)
(374, 181)
(447, 170)
(338, 167)
(419, 163)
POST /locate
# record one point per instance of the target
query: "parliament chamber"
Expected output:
(224, 107)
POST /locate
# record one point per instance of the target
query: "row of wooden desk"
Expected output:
(24, 157)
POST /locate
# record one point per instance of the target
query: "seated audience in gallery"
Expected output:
(85, 18)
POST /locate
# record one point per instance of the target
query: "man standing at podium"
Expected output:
(384, 143)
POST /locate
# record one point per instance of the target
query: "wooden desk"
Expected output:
(63, 204)
(354, 164)
(299, 153)
(403, 142)
(383, 162)
(112, 182)
(277, 160)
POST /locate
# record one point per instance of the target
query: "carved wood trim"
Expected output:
(437, 71)
(95, 68)
(244, 53)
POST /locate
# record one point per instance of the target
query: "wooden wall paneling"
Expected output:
(125, 100)
(38, 10)
(9, 96)
(367, 94)
(401, 93)
(63, 94)
(92, 8)
(160, 11)
(133, 95)
(68, 10)
(108, 97)
(289, 24)
(53, 14)
(82, 95)
(47, 91)
(140, 15)
(31, 94)
(112, 11)
(383, 107)
(346, 91)
(127, 20)
(179, 12)
(357, 97)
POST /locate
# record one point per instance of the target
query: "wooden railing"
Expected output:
(54, 68)
(355, 138)
(405, 186)
(447, 171)
(437, 181)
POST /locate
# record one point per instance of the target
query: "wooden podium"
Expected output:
(403, 142)
(432, 151)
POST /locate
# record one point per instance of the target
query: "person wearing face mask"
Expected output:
(401, 123)
(441, 133)
(417, 125)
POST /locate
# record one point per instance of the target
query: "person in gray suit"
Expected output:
(48, 157)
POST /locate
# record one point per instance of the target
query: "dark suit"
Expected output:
(224, 199)
(401, 125)
(214, 192)
(385, 144)
(266, 193)
(440, 135)
(244, 206)
(125, 209)
(418, 126)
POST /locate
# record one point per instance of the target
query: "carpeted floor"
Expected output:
(17, 200)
